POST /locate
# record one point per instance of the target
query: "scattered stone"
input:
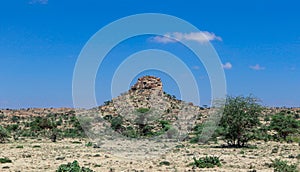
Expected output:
(96, 146)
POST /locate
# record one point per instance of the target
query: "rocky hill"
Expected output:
(146, 110)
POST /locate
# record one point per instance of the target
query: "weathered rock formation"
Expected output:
(148, 82)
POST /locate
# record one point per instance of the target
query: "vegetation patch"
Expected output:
(36, 146)
(282, 166)
(167, 163)
(4, 134)
(5, 160)
(73, 167)
(89, 144)
(284, 125)
(207, 162)
(142, 125)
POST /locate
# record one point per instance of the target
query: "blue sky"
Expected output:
(257, 41)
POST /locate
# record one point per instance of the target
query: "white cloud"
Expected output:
(163, 39)
(43, 2)
(201, 37)
(257, 67)
(227, 65)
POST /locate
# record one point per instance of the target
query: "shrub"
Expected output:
(12, 127)
(197, 130)
(262, 133)
(2, 116)
(171, 133)
(3, 134)
(40, 123)
(89, 144)
(284, 125)
(15, 119)
(36, 146)
(53, 137)
(207, 162)
(116, 123)
(73, 167)
(107, 117)
(76, 142)
(165, 125)
(130, 132)
(5, 160)
(106, 103)
(239, 120)
(282, 166)
(266, 118)
(77, 130)
(167, 163)
(142, 110)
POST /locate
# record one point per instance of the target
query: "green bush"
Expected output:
(130, 132)
(106, 103)
(116, 123)
(2, 116)
(3, 134)
(282, 166)
(12, 127)
(107, 117)
(240, 119)
(266, 118)
(207, 162)
(166, 163)
(262, 133)
(5, 160)
(197, 130)
(165, 125)
(284, 125)
(15, 119)
(142, 110)
(40, 123)
(89, 144)
(73, 167)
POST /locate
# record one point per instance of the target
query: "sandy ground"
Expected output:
(43, 155)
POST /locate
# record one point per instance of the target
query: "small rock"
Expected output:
(96, 146)
(97, 155)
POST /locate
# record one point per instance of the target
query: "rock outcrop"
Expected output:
(147, 82)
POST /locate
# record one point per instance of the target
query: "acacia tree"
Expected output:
(284, 125)
(239, 119)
